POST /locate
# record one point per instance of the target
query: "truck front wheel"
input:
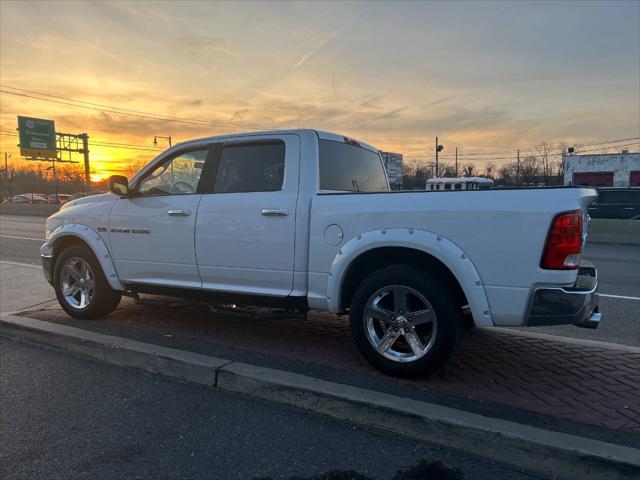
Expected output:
(81, 287)
(404, 320)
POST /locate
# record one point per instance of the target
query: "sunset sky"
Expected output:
(486, 77)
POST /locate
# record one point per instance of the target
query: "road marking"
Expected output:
(623, 297)
(23, 238)
(20, 264)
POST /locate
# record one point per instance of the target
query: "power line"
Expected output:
(483, 156)
(559, 146)
(495, 155)
(130, 113)
(602, 150)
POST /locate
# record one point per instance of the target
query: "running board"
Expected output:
(230, 311)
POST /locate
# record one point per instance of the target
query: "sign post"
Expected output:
(37, 138)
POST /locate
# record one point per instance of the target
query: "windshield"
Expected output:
(350, 168)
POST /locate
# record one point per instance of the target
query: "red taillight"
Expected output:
(564, 242)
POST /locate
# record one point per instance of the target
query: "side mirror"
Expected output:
(119, 185)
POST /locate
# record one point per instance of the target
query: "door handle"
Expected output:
(629, 208)
(179, 213)
(275, 212)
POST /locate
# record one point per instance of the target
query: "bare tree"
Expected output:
(468, 170)
(447, 169)
(134, 168)
(529, 169)
(489, 169)
(507, 173)
(546, 166)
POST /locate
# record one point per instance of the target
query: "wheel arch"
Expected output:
(76, 234)
(375, 249)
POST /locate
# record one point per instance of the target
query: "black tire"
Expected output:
(447, 315)
(104, 300)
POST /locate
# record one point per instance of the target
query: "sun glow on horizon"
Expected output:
(98, 177)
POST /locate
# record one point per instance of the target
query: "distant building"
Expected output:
(603, 170)
(393, 164)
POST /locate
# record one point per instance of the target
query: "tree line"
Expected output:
(539, 168)
(32, 178)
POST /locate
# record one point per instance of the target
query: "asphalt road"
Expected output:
(64, 416)
(618, 269)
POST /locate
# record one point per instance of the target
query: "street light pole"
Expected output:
(436, 156)
(438, 149)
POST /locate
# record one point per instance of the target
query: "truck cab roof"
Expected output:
(321, 134)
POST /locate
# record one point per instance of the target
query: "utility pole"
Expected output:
(87, 169)
(6, 174)
(456, 162)
(518, 169)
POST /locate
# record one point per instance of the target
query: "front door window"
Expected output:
(179, 175)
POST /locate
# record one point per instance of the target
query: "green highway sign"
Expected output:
(37, 137)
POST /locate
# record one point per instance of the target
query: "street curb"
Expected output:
(525, 447)
(181, 364)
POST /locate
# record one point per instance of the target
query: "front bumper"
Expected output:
(577, 305)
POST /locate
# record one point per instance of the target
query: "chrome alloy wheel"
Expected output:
(400, 323)
(77, 282)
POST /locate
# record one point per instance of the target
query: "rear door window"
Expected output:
(251, 167)
(350, 168)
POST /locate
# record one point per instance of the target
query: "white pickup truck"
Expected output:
(304, 219)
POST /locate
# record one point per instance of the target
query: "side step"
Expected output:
(228, 310)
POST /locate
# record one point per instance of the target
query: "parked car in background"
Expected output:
(31, 198)
(75, 196)
(616, 203)
(61, 198)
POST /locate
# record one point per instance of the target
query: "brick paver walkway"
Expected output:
(574, 382)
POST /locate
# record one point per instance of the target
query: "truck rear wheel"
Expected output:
(404, 320)
(81, 287)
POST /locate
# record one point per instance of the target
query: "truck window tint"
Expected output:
(255, 167)
(350, 168)
(177, 175)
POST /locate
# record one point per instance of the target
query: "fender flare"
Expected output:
(95, 242)
(443, 249)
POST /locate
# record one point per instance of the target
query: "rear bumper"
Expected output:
(577, 305)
